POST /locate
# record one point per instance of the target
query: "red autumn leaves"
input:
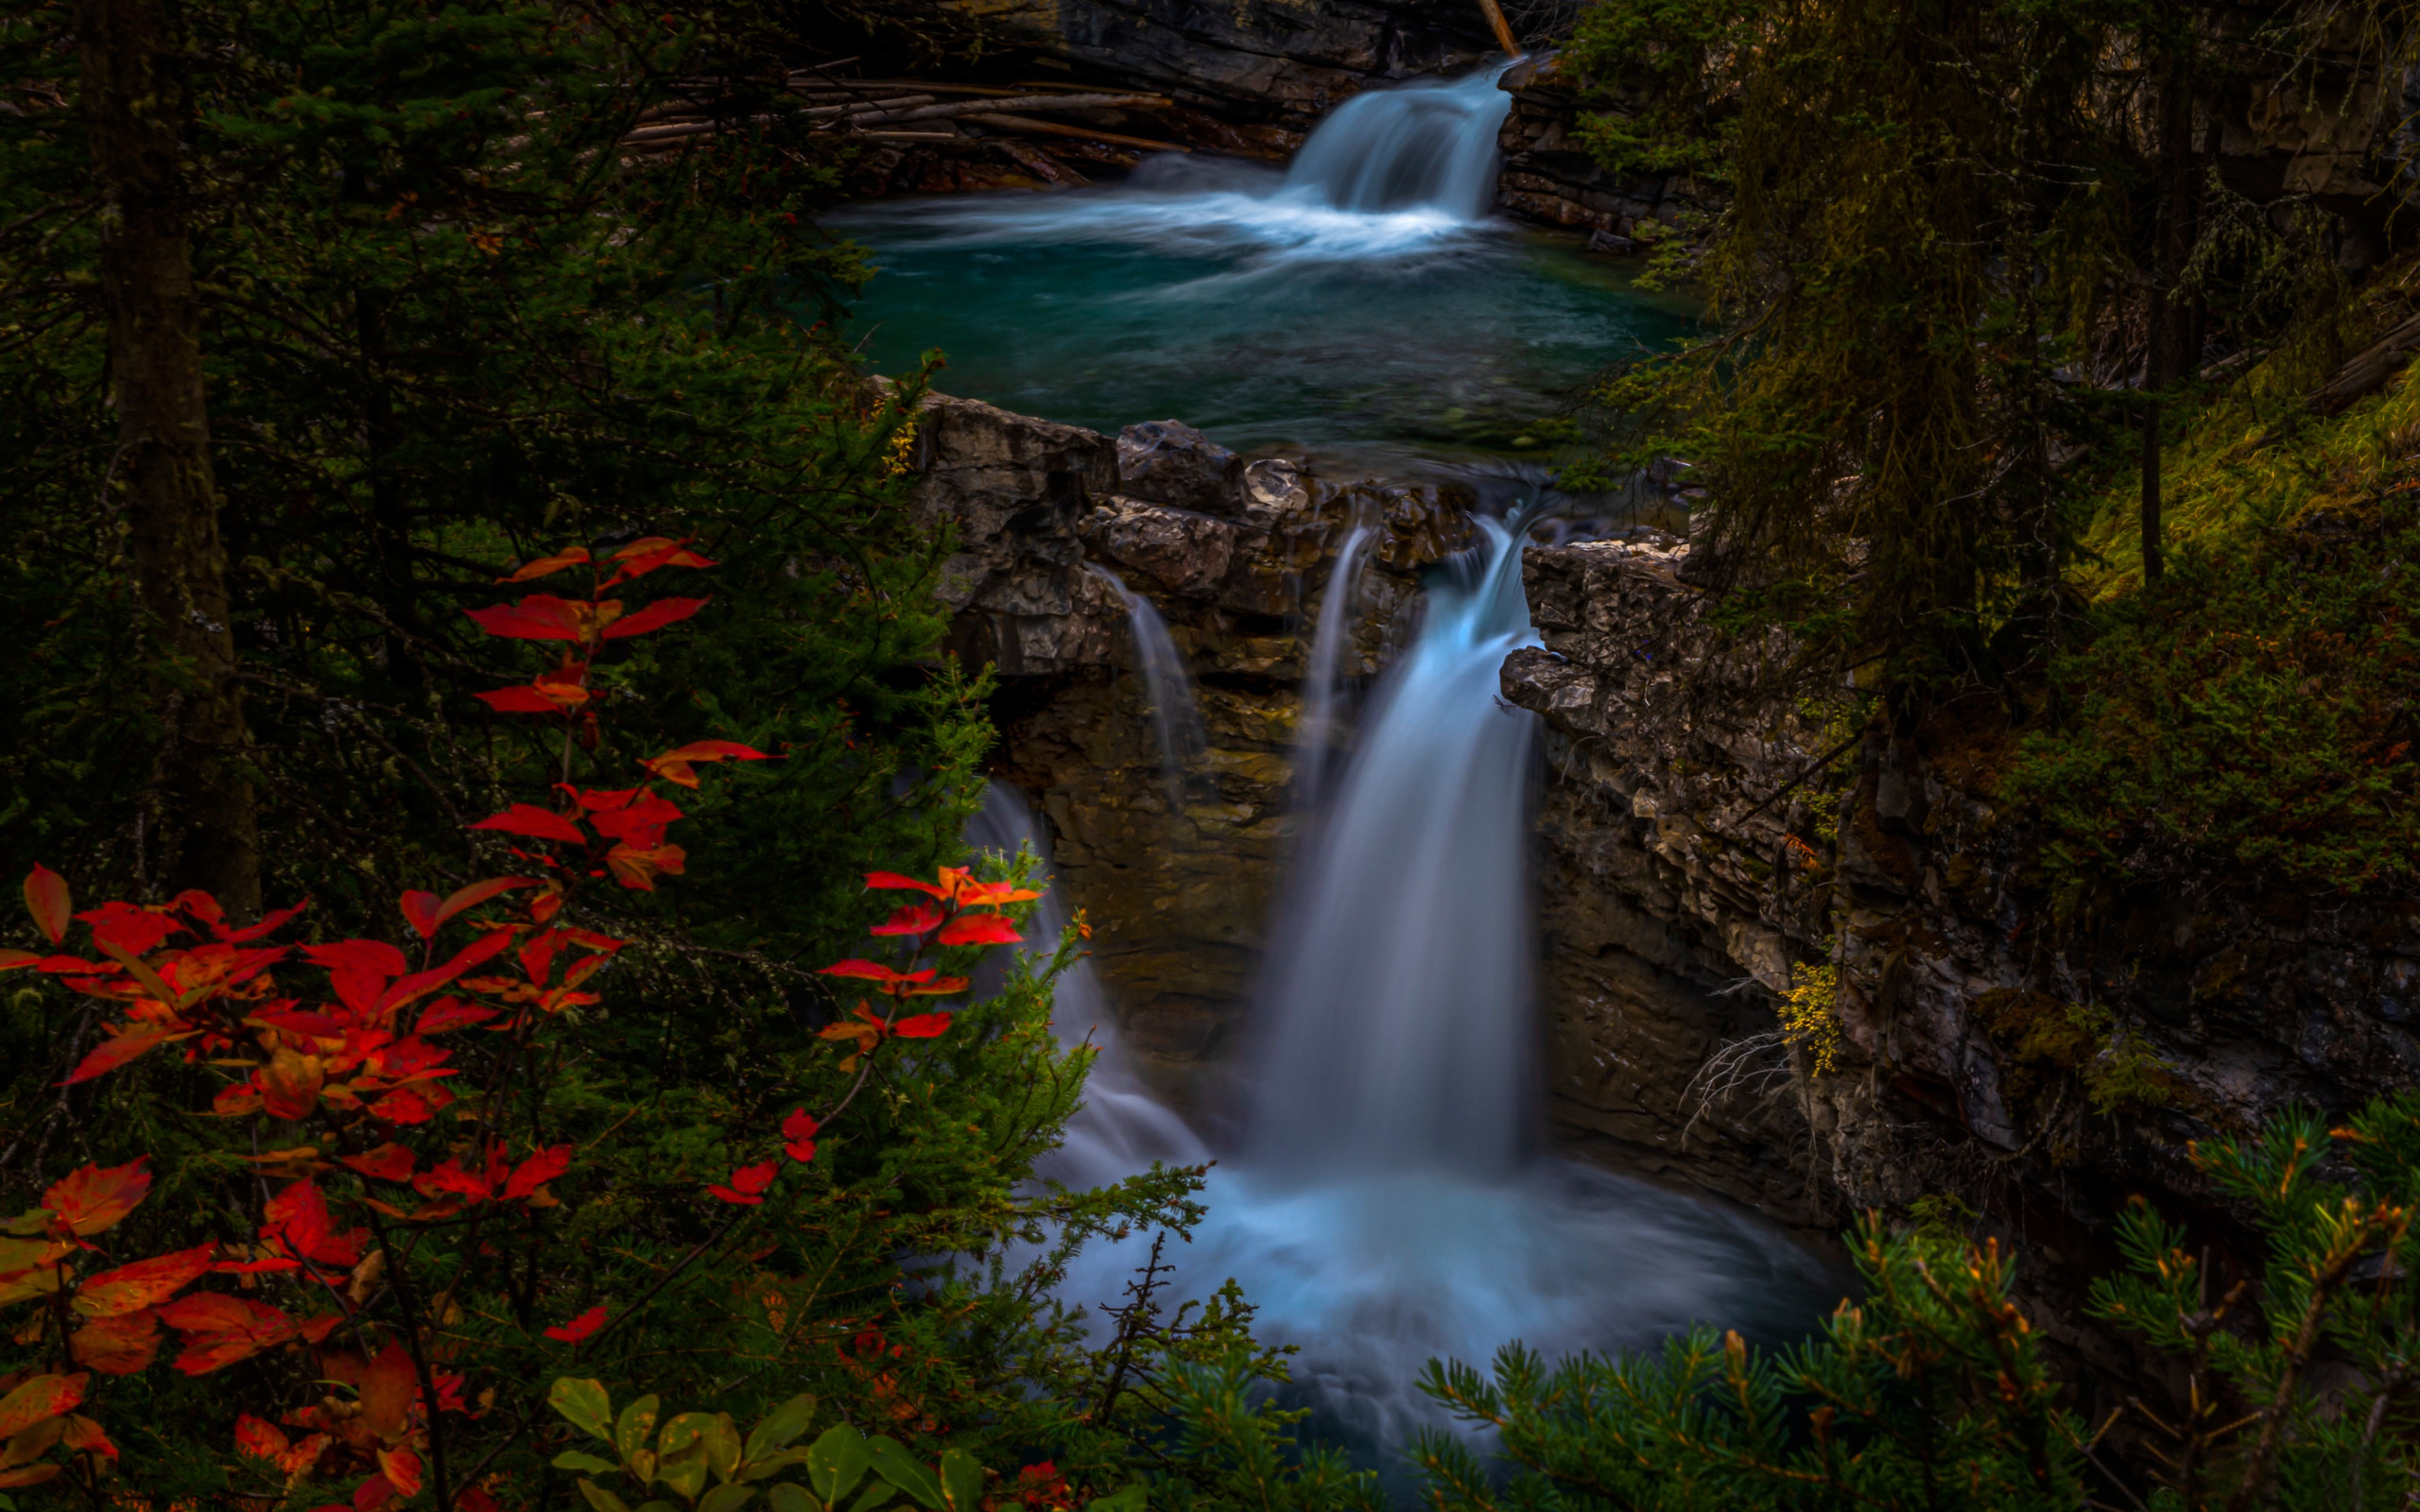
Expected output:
(965, 912)
(366, 1060)
(617, 831)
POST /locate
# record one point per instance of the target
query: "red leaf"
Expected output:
(219, 1329)
(539, 617)
(371, 957)
(674, 765)
(535, 822)
(402, 1105)
(639, 870)
(980, 929)
(547, 566)
(373, 1494)
(402, 1469)
(578, 1328)
(800, 1125)
(419, 911)
(643, 556)
(479, 892)
(117, 1345)
(38, 1401)
(655, 616)
(916, 918)
(451, 1013)
(125, 1044)
(921, 1026)
(144, 1283)
(91, 1199)
(538, 1170)
(259, 1439)
(268, 925)
(893, 881)
(387, 1162)
(135, 931)
(747, 1182)
(47, 899)
(875, 972)
(640, 822)
(526, 700)
(299, 1216)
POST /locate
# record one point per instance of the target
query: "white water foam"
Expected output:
(1393, 174)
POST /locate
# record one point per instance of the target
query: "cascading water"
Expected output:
(1426, 145)
(1396, 1011)
(1381, 1209)
(1323, 697)
(1174, 718)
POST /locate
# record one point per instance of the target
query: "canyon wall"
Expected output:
(1177, 877)
(2037, 1054)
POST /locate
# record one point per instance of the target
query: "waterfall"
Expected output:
(1164, 683)
(1314, 735)
(1421, 146)
(1120, 1129)
(1398, 1020)
(1382, 1210)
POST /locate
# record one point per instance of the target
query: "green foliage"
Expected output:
(2255, 707)
(1933, 1391)
(1930, 1393)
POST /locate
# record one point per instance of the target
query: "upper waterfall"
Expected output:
(1420, 146)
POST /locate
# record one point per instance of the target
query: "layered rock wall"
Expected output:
(1179, 877)
(1712, 826)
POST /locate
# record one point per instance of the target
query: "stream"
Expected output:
(1384, 1193)
(1359, 306)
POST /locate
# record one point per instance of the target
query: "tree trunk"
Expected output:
(135, 102)
(2171, 306)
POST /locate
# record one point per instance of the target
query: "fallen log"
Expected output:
(1019, 123)
(1023, 102)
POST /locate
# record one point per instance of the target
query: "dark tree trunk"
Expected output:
(135, 102)
(2173, 307)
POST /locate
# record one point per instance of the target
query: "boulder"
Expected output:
(1185, 553)
(1168, 461)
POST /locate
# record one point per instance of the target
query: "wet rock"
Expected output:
(1424, 524)
(1274, 497)
(1183, 552)
(1168, 461)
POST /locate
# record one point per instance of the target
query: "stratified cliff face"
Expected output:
(1179, 878)
(2040, 1055)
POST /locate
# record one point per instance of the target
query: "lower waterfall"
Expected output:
(1385, 1202)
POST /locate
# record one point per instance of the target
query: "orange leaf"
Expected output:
(92, 1199)
(122, 1346)
(388, 1389)
(674, 765)
(637, 870)
(38, 1399)
(128, 1288)
(290, 1084)
(402, 1469)
(545, 566)
(47, 899)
